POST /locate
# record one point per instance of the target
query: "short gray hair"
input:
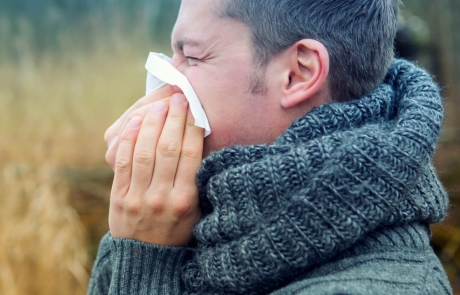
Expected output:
(358, 34)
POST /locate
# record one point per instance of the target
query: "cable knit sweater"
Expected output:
(339, 204)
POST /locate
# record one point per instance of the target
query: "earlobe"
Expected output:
(307, 74)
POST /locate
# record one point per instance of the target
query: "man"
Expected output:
(318, 175)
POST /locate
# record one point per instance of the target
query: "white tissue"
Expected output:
(161, 72)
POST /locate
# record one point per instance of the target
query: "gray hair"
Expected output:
(358, 34)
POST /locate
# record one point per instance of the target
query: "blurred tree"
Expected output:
(45, 20)
(436, 22)
(163, 22)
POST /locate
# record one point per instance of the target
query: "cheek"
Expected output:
(219, 91)
(231, 109)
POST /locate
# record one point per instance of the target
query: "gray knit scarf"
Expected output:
(338, 173)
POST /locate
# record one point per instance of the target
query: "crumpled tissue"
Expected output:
(161, 72)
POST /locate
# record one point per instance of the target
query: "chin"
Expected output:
(210, 145)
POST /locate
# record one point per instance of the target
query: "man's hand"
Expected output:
(154, 196)
(140, 108)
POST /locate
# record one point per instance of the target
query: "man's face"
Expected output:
(216, 55)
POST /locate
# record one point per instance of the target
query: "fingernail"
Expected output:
(176, 88)
(158, 106)
(178, 98)
(135, 122)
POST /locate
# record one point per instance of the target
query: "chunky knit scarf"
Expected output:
(337, 174)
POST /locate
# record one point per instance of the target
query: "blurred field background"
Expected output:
(69, 68)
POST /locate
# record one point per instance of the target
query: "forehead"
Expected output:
(201, 7)
(198, 20)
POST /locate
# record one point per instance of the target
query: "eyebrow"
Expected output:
(179, 45)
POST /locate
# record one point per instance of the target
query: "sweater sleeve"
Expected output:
(125, 266)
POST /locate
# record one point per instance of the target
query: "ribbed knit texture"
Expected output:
(133, 267)
(337, 205)
(394, 261)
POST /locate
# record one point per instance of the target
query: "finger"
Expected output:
(190, 157)
(111, 153)
(116, 128)
(146, 145)
(123, 163)
(112, 149)
(165, 91)
(142, 112)
(170, 144)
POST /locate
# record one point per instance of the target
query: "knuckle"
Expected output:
(169, 149)
(143, 157)
(133, 207)
(182, 208)
(126, 137)
(175, 117)
(119, 204)
(191, 153)
(191, 122)
(156, 205)
(122, 164)
(151, 120)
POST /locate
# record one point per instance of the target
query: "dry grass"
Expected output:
(42, 241)
(54, 109)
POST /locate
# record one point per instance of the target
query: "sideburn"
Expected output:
(257, 81)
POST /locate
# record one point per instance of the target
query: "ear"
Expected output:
(306, 72)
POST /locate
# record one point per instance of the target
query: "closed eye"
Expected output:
(192, 58)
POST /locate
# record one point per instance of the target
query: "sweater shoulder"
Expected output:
(394, 271)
